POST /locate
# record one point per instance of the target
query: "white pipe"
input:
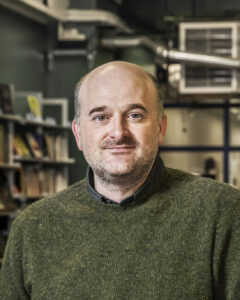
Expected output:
(172, 55)
(96, 16)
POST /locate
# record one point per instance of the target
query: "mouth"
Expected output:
(120, 149)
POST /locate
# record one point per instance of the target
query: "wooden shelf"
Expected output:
(7, 212)
(43, 124)
(10, 166)
(24, 197)
(24, 122)
(44, 160)
(34, 10)
(9, 117)
(17, 196)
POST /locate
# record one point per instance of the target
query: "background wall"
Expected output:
(23, 62)
(200, 127)
(23, 43)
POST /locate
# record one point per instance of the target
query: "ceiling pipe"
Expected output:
(33, 9)
(96, 16)
(41, 13)
(210, 60)
(170, 55)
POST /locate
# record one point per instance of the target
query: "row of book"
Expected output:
(33, 145)
(40, 182)
(2, 141)
(8, 103)
(6, 98)
(30, 182)
(6, 201)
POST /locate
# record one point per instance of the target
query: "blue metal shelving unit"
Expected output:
(226, 148)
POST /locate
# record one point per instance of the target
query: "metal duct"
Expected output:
(41, 13)
(96, 16)
(113, 43)
(188, 57)
(171, 55)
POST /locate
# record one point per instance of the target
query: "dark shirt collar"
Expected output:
(158, 169)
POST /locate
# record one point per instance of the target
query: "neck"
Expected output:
(120, 187)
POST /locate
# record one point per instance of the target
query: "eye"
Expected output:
(99, 118)
(135, 116)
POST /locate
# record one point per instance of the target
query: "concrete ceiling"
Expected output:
(156, 16)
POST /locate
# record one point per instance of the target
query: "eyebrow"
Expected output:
(97, 109)
(129, 107)
(136, 106)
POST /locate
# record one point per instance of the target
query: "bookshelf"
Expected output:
(42, 161)
(35, 157)
(10, 166)
(34, 163)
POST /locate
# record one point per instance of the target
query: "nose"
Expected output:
(118, 128)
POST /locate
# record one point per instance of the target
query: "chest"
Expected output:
(151, 258)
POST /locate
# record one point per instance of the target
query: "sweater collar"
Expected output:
(158, 170)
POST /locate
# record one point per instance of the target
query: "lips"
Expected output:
(120, 150)
(121, 147)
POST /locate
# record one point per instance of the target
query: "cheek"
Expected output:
(148, 136)
(90, 139)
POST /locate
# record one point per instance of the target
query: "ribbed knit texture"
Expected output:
(181, 240)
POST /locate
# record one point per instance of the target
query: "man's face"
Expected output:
(119, 131)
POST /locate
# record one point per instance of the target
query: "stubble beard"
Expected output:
(135, 171)
(129, 176)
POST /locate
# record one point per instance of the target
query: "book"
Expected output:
(50, 148)
(6, 98)
(34, 143)
(50, 175)
(18, 188)
(38, 182)
(34, 106)
(64, 147)
(60, 181)
(31, 182)
(2, 159)
(6, 200)
(20, 147)
(6, 145)
(58, 147)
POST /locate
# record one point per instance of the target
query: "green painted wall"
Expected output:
(61, 83)
(22, 63)
(21, 52)
(82, 4)
(138, 56)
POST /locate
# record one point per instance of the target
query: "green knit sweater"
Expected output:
(181, 240)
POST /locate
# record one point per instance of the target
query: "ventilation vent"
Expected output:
(219, 39)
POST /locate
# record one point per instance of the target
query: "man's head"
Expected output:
(159, 97)
(119, 120)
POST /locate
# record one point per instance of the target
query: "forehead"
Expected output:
(117, 87)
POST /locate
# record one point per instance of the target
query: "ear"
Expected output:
(76, 132)
(163, 129)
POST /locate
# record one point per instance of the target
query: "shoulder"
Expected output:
(198, 189)
(188, 180)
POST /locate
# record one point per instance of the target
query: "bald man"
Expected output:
(133, 229)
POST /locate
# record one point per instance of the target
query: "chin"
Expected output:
(122, 172)
(116, 169)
